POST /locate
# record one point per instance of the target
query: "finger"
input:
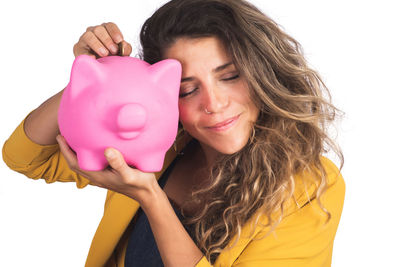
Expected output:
(114, 32)
(72, 161)
(103, 35)
(69, 155)
(117, 162)
(83, 51)
(89, 41)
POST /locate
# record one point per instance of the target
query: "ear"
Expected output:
(168, 74)
(85, 72)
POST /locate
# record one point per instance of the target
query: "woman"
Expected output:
(246, 184)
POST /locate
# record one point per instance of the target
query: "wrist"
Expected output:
(153, 195)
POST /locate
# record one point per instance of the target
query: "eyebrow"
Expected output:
(217, 69)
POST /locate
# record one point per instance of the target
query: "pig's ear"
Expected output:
(85, 72)
(167, 73)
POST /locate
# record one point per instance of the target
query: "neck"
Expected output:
(209, 154)
(201, 155)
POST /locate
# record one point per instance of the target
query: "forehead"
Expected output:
(207, 52)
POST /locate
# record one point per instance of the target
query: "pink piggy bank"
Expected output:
(124, 103)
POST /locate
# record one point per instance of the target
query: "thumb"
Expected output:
(116, 160)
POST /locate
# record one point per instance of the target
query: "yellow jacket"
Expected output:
(301, 239)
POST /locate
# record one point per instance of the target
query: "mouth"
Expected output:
(222, 126)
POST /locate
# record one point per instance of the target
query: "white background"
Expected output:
(353, 44)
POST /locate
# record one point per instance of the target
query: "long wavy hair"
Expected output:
(290, 133)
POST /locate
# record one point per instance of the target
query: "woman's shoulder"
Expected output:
(303, 235)
(304, 194)
(332, 171)
(307, 183)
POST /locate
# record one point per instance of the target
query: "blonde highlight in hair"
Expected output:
(290, 134)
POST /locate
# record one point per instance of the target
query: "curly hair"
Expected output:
(290, 134)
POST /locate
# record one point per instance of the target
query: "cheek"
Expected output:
(186, 116)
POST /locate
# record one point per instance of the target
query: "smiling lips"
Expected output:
(225, 124)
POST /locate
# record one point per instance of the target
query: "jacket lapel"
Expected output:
(232, 251)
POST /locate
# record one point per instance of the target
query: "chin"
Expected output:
(225, 144)
(229, 148)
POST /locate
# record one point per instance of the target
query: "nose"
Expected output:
(215, 100)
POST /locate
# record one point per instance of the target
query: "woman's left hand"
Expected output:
(120, 178)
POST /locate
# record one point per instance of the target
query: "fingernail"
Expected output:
(114, 49)
(103, 51)
(119, 39)
(110, 154)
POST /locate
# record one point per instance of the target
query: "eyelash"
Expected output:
(227, 79)
(231, 78)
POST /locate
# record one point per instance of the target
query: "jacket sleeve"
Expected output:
(38, 161)
(301, 239)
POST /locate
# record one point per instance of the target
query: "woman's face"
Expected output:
(211, 93)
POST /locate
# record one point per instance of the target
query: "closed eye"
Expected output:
(188, 93)
(231, 78)
(226, 79)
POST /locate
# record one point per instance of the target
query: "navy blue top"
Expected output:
(142, 248)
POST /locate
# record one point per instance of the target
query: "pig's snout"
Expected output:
(131, 119)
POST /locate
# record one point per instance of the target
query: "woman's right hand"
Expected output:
(101, 41)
